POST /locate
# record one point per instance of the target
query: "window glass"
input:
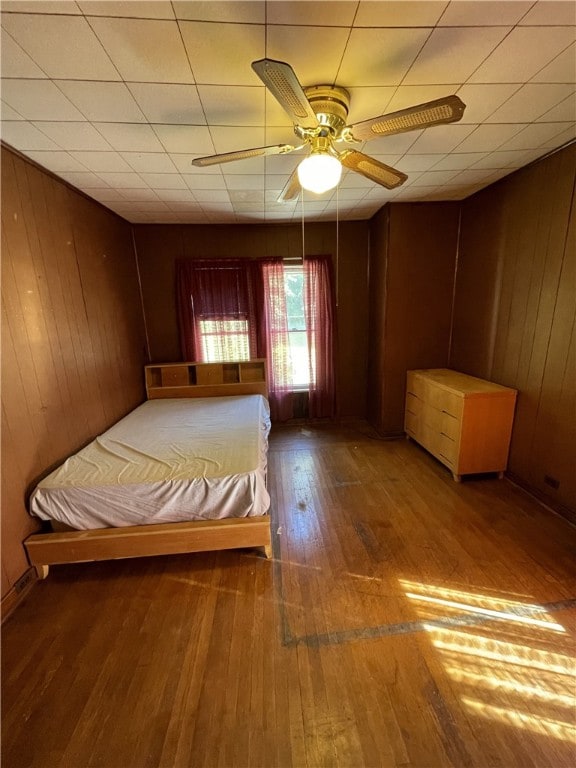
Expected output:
(296, 321)
(224, 340)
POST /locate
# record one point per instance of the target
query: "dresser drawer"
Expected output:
(464, 421)
(444, 400)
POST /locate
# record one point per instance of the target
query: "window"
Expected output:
(299, 357)
(224, 340)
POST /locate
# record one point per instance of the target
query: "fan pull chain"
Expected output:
(303, 241)
(337, 246)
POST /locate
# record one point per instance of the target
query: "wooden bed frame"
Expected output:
(163, 381)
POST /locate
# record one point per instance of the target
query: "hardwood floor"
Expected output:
(406, 620)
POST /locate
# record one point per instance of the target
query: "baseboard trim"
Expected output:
(14, 597)
(554, 506)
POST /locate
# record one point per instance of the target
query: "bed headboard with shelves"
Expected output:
(245, 377)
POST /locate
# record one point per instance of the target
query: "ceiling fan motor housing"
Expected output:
(330, 104)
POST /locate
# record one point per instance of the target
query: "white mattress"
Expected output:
(168, 461)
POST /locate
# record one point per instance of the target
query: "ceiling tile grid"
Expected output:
(118, 98)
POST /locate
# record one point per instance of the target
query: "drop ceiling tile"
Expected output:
(441, 138)
(314, 53)
(101, 161)
(25, 136)
(83, 180)
(247, 196)
(62, 46)
(106, 195)
(482, 100)
(565, 111)
(133, 9)
(38, 100)
(185, 139)
(273, 136)
(530, 102)
(569, 134)
(191, 205)
(548, 12)
(164, 180)
(175, 195)
(351, 193)
(245, 181)
(253, 165)
(509, 62)
(508, 159)
(472, 176)
(149, 162)
(560, 70)
(139, 194)
(228, 139)
(214, 10)
(434, 178)
(102, 102)
(326, 13)
(366, 103)
(15, 61)
(183, 163)
(415, 162)
(534, 136)
(169, 103)
(205, 42)
(123, 180)
(152, 206)
(278, 164)
(399, 13)
(241, 105)
(74, 136)
(487, 138)
(211, 196)
(484, 14)
(7, 113)
(458, 162)
(205, 181)
(399, 48)
(41, 6)
(56, 161)
(452, 54)
(130, 137)
(391, 145)
(145, 50)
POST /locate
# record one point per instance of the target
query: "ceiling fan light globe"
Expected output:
(319, 172)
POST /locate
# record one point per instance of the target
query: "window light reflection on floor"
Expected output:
(514, 672)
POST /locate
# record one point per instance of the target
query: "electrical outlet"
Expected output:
(552, 482)
(23, 581)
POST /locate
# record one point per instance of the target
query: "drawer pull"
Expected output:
(449, 414)
(448, 436)
(446, 458)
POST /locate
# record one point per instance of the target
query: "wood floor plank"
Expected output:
(405, 621)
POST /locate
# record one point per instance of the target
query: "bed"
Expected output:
(183, 472)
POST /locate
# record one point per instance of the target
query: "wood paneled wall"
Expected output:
(412, 262)
(514, 314)
(72, 335)
(159, 246)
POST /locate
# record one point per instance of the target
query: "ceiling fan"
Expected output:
(319, 114)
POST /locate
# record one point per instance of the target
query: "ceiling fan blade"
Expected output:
(291, 188)
(243, 154)
(281, 81)
(372, 169)
(446, 110)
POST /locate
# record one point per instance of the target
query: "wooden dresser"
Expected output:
(463, 421)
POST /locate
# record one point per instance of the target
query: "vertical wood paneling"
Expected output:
(159, 246)
(72, 335)
(418, 278)
(514, 313)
